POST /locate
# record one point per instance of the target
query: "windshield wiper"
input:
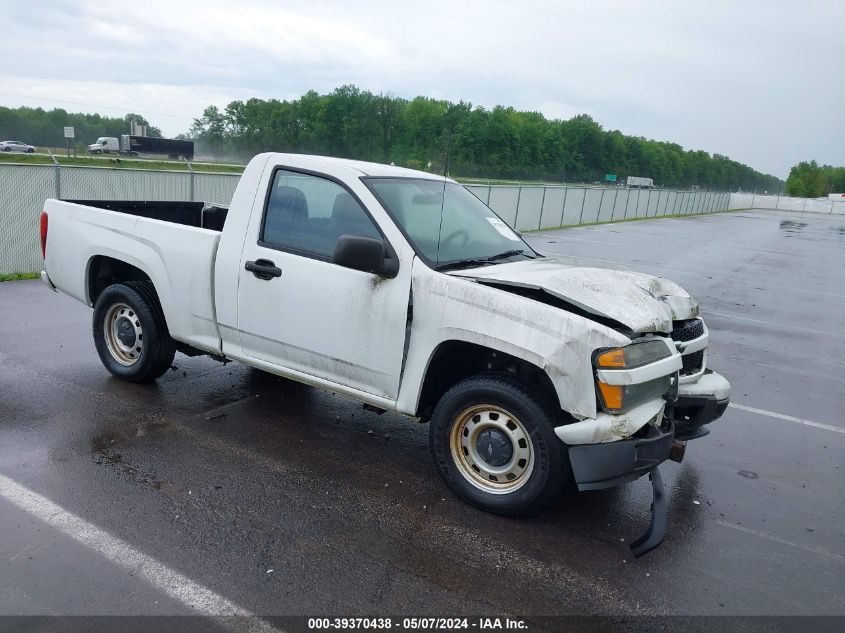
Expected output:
(483, 261)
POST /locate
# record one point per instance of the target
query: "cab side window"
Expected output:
(307, 214)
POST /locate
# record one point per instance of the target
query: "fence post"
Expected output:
(583, 202)
(542, 204)
(563, 206)
(191, 176)
(516, 215)
(489, 191)
(601, 200)
(613, 209)
(58, 175)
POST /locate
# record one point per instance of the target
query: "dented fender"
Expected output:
(453, 308)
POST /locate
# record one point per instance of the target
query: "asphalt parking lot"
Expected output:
(276, 498)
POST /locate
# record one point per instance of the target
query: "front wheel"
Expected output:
(493, 442)
(130, 332)
(30, 151)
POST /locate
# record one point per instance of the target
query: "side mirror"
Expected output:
(365, 254)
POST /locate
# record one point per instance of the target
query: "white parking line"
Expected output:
(193, 595)
(788, 418)
(777, 539)
(773, 324)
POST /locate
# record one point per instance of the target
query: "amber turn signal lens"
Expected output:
(614, 358)
(611, 395)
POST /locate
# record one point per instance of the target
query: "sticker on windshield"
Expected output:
(503, 228)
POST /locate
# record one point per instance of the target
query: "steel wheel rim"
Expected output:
(124, 334)
(490, 476)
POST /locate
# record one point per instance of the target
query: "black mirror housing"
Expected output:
(365, 254)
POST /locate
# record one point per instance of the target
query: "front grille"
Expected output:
(685, 331)
(692, 363)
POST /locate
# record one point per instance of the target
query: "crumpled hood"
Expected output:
(643, 303)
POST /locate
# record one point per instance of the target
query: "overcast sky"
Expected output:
(762, 82)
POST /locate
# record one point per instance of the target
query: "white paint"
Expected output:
(610, 428)
(777, 539)
(710, 385)
(193, 595)
(788, 418)
(644, 303)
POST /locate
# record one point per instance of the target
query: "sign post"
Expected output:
(69, 134)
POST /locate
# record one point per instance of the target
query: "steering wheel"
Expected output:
(454, 235)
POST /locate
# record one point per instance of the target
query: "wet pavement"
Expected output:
(288, 500)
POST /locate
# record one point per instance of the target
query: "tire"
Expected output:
(130, 332)
(476, 416)
(7, 149)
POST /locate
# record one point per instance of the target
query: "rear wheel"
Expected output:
(130, 332)
(492, 438)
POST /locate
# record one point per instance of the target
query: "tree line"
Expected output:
(501, 142)
(486, 143)
(809, 180)
(45, 128)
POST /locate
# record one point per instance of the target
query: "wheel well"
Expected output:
(104, 271)
(453, 361)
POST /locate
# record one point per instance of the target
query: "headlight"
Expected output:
(632, 356)
(618, 398)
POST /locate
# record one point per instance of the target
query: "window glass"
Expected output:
(308, 214)
(447, 230)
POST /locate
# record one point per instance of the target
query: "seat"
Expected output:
(287, 211)
(348, 218)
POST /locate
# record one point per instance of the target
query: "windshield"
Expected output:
(469, 230)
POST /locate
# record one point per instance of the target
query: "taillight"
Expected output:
(44, 234)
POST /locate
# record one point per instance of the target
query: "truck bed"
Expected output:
(199, 214)
(173, 243)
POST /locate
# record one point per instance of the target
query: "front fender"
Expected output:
(450, 308)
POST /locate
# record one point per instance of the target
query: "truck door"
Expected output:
(298, 310)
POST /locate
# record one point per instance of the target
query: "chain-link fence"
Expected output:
(785, 203)
(532, 207)
(23, 189)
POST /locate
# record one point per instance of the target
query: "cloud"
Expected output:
(758, 81)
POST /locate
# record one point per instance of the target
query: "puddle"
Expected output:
(791, 226)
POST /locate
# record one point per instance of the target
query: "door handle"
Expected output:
(263, 269)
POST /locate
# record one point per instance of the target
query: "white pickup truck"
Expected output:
(403, 290)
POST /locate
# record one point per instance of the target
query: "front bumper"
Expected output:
(596, 466)
(699, 403)
(46, 279)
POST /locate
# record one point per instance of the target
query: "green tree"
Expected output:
(807, 180)
(501, 142)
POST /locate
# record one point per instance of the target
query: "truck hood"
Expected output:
(642, 303)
